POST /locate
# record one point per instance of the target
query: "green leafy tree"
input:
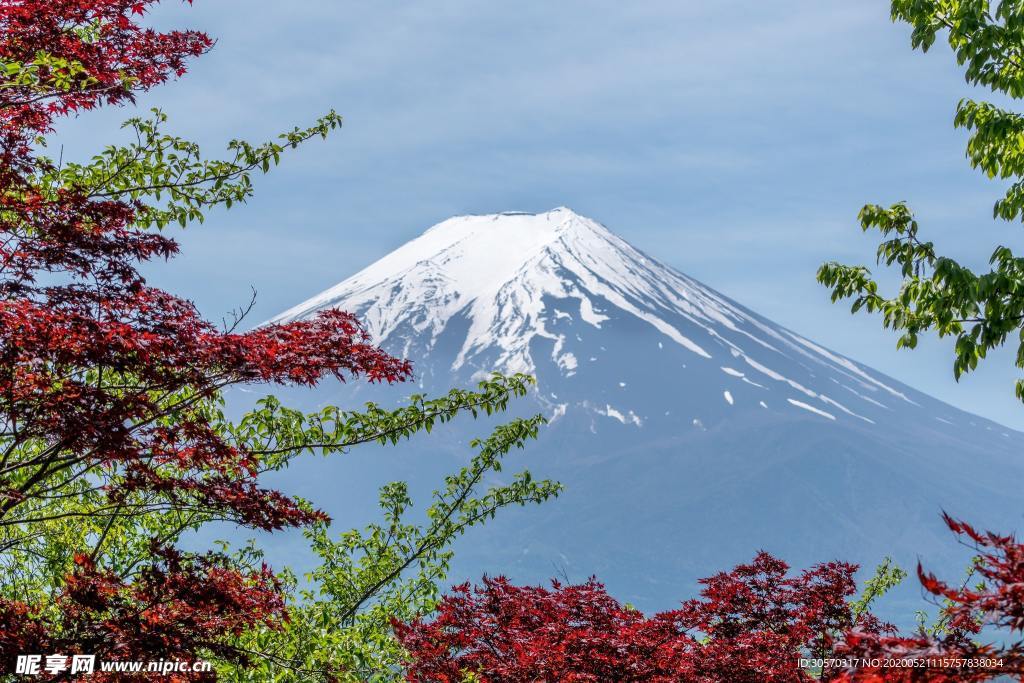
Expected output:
(980, 310)
(341, 625)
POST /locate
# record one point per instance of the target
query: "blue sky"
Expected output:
(733, 140)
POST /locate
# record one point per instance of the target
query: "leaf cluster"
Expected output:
(980, 310)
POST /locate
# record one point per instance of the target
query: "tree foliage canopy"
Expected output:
(113, 437)
(755, 624)
(980, 310)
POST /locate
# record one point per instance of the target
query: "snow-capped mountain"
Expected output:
(688, 430)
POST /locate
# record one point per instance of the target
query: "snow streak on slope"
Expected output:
(498, 274)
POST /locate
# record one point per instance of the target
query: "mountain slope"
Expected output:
(688, 430)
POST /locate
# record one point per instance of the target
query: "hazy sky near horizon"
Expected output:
(733, 140)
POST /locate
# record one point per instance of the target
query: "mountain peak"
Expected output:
(548, 293)
(462, 259)
(500, 271)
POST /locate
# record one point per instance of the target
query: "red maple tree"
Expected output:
(753, 624)
(102, 376)
(979, 637)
